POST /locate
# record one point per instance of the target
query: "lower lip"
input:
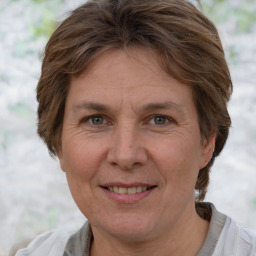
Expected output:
(127, 198)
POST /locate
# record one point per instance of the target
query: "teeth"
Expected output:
(122, 190)
(131, 191)
(140, 189)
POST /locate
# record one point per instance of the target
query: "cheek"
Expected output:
(79, 153)
(177, 160)
(80, 161)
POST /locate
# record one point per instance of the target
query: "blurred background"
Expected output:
(34, 196)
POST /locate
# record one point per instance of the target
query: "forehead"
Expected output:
(136, 60)
(132, 76)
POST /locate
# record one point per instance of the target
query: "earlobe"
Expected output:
(207, 150)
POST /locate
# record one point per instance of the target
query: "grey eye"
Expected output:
(97, 120)
(160, 120)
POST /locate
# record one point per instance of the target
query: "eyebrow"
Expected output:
(162, 105)
(93, 106)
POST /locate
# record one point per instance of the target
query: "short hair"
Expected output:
(186, 41)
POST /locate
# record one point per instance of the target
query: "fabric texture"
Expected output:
(224, 238)
(216, 226)
(80, 242)
(51, 243)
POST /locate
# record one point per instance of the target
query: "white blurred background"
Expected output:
(34, 196)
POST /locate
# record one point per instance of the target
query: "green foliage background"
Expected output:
(242, 13)
(233, 17)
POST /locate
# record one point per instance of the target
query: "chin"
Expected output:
(129, 227)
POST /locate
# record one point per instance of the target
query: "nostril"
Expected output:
(127, 160)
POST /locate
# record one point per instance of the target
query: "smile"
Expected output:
(130, 191)
(127, 194)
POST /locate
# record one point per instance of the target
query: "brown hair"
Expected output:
(186, 41)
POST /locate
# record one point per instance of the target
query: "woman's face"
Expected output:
(131, 146)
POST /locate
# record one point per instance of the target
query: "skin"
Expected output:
(128, 122)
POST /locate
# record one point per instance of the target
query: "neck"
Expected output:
(185, 238)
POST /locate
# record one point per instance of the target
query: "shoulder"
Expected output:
(49, 243)
(59, 243)
(236, 240)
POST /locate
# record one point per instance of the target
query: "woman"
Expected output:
(133, 101)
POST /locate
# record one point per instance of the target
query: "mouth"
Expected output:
(129, 190)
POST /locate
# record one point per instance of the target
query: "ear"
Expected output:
(207, 150)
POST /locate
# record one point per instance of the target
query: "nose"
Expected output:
(126, 148)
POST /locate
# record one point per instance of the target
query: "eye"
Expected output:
(96, 120)
(159, 120)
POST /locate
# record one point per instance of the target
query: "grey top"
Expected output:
(77, 245)
(224, 238)
(216, 225)
(80, 242)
